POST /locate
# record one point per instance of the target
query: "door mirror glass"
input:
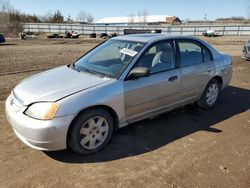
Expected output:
(138, 72)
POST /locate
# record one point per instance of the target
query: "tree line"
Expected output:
(11, 19)
(7, 10)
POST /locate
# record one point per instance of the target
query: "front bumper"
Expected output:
(38, 134)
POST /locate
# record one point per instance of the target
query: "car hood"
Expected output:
(55, 84)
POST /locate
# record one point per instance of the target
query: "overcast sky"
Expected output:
(193, 9)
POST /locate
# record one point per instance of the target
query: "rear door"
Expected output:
(150, 95)
(197, 68)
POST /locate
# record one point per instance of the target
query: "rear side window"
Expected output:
(190, 53)
(206, 54)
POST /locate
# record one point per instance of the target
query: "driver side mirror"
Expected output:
(138, 72)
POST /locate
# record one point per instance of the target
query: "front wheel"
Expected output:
(210, 95)
(91, 131)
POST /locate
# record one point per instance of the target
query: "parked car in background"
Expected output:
(211, 33)
(28, 35)
(54, 35)
(2, 38)
(71, 34)
(246, 50)
(108, 35)
(121, 81)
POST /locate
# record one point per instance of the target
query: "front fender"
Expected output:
(110, 94)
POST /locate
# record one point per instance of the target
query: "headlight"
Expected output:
(43, 111)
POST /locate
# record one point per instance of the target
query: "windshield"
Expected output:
(109, 59)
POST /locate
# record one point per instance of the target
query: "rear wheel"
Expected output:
(210, 94)
(91, 131)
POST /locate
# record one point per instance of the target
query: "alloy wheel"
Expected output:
(212, 94)
(94, 132)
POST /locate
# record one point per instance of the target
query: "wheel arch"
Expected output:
(219, 79)
(107, 108)
(200, 102)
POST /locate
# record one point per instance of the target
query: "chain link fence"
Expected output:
(194, 30)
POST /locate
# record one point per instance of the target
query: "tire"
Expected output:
(103, 35)
(92, 35)
(210, 95)
(91, 131)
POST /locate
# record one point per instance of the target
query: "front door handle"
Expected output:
(173, 78)
(223, 70)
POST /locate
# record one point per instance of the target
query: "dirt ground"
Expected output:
(188, 147)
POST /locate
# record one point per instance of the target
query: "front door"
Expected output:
(150, 95)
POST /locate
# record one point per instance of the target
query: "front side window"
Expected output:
(158, 58)
(109, 59)
(190, 53)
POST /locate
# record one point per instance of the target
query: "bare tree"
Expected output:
(131, 19)
(5, 6)
(139, 14)
(187, 20)
(15, 26)
(47, 17)
(4, 18)
(57, 17)
(4, 22)
(81, 16)
(248, 11)
(50, 17)
(144, 16)
(69, 20)
(89, 18)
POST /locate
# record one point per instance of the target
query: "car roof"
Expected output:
(150, 37)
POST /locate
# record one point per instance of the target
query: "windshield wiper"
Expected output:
(72, 66)
(102, 75)
(93, 72)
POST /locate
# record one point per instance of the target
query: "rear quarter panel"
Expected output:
(224, 68)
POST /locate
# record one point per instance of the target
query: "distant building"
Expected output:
(149, 20)
(173, 20)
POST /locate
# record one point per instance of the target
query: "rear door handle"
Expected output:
(210, 69)
(173, 78)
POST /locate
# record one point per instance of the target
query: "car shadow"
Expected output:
(148, 135)
(7, 44)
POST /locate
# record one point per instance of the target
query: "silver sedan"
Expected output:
(121, 81)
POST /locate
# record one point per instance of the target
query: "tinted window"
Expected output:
(158, 58)
(207, 55)
(190, 53)
(110, 58)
